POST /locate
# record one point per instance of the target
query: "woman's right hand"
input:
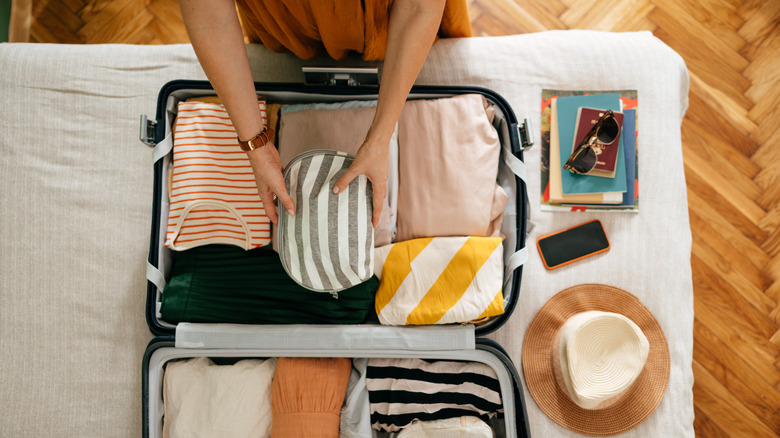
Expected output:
(267, 168)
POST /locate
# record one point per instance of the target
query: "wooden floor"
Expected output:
(731, 146)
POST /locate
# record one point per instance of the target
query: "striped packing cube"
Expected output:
(328, 245)
(214, 198)
(439, 280)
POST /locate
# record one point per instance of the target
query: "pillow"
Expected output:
(328, 245)
(439, 280)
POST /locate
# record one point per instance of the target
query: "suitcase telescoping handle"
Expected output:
(341, 76)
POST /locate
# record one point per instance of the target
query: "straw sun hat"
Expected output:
(596, 360)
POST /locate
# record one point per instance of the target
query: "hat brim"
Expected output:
(633, 406)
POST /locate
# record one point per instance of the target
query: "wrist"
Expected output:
(378, 136)
(258, 141)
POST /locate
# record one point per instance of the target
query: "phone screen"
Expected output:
(580, 241)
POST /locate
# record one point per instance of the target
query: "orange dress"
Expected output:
(338, 27)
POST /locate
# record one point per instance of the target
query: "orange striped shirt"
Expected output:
(214, 198)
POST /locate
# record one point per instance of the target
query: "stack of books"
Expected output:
(567, 116)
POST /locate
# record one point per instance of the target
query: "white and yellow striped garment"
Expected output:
(439, 280)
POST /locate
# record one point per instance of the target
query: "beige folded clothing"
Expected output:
(448, 164)
(207, 400)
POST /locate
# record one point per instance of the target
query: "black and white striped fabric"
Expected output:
(328, 245)
(403, 390)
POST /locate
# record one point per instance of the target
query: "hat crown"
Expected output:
(601, 355)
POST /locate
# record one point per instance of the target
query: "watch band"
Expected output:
(257, 141)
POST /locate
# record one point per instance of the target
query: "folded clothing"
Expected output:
(355, 415)
(448, 165)
(222, 283)
(401, 391)
(461, 427)
(206, 400)
(307, 394)
(213, 193)
(439, 280)
(337, 127)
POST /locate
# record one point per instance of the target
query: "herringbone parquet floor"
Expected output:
(731, 146)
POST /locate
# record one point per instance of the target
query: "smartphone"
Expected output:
(572, 244)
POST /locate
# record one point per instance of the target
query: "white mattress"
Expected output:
(76, 200)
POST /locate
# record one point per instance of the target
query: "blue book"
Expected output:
(567, 116)
(628, 143)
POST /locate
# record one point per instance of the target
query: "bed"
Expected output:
(76, 205)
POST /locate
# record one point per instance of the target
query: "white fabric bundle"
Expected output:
(207, 400)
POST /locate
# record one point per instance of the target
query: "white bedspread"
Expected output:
(75, 213)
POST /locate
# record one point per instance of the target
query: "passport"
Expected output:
(606, 163)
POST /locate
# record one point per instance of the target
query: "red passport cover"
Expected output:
(586, 118)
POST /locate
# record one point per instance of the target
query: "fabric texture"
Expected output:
(328, 245)
(355, 414)
(206, 400)
(76, 201)
(401, 391)
(448, 164)
(461, 427)
(310, 27)
(339, 127)
(220, 283)
(214, 197)
(307, 394)
(439, 280)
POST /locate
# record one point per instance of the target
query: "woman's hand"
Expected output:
(371, 160)
(267, 168)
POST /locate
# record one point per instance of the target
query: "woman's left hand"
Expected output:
(371, 160)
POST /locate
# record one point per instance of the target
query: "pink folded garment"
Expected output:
(448, 164)
(332, 129)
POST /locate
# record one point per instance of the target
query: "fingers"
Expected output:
(268, 175)
(346, 178)
(267, 196)
(378, 203)
(280, 190)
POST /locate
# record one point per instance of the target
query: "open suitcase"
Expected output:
(465, 342)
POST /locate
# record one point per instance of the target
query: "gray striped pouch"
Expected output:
(328, 245)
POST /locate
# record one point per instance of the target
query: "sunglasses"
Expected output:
(585, 155)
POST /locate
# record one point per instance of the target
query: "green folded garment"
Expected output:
(222, 283)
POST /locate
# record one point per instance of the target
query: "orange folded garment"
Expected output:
(307, 27)
(306, 396)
